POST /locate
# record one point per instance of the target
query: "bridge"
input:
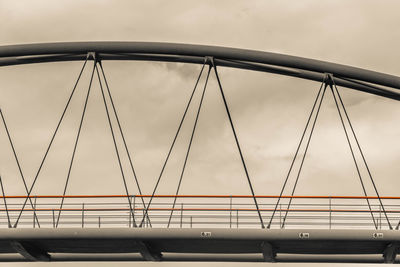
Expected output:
(176, 227)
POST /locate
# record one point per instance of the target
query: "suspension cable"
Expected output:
(295, 155)
(52, 139)
(237, 143)
(5, 202)
(123, 138)
(116, 147)
(304, 155)
(190, 145)
(173, 142)
(361, 152)
(75, 145)
(19, 166)
(352, 154)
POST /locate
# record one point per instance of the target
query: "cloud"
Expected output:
(269, 111)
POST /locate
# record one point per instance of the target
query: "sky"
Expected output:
(269, 111)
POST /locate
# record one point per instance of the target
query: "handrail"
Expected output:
(233, 211)
(200, 196)
(200, 209)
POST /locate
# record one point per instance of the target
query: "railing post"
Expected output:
(181, 215)
(191, 217)
(380, 218)
(237, 218)
(144, 218)
(83, 215)
(129, 217)
(34, 213)
(280, 216)
(54, 219)
(99, 222)
(330, 212)
(133, 211)
(230, 211)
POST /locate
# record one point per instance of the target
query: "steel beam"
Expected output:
(268, 252)
(390, 252)
(147, 252)
(138, 244)
(297, 73)
(225, 53)
(29, 251)
(151, 234)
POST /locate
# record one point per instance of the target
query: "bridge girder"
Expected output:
(31, 252)
(193, 245)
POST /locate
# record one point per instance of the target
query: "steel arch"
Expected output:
(347, 76)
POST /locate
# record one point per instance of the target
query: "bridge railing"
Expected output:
(199, 211)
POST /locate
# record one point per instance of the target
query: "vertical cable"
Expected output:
(173, 143)
(237, 144)
(297, 151)
(116, 147)
(18, 164)
(76, 144)
(5, 202)
(189, 147)
(51, 141)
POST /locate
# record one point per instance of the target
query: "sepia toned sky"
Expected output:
(269, 111)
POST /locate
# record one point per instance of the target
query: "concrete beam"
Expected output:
(30, 252)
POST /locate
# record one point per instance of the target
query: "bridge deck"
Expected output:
(198, 244)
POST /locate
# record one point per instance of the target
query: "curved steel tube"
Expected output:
(347, 76)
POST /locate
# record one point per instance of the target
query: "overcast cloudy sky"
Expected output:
(269, 111)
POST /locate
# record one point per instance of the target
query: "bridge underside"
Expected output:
(139, 244)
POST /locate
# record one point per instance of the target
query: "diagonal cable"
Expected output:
(19, 166)
(304, 155)
(116, 146)
(355, 161)
(237, 143)
(189, 147)
(5, 202)
(173, 143)
(362, 183)
(123, 138)
(51, 141)
(352, 153)
(295, 155)
(75, 145)
(362, 154)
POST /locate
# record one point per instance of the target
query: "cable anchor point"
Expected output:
(210, 61)
(94, 56)
(328, 79)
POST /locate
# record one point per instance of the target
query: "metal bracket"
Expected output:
(30, 252)
(390, 253)
(92, 55)
(268, 252)
(210, 61)
(147, 252)
(328, 79)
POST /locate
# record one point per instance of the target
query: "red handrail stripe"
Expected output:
(202, 196)
(203, 209)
